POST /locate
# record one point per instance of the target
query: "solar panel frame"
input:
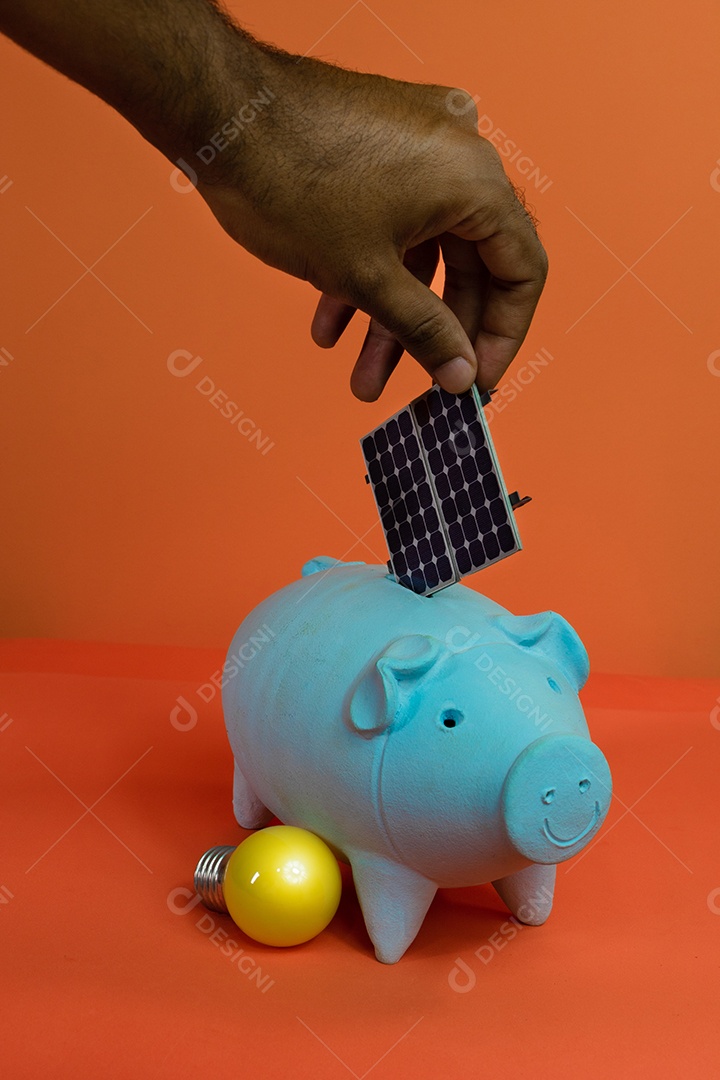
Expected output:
(421, 477)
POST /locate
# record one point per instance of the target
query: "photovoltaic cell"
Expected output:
(439, 490)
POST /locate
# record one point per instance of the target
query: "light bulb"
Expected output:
(281, 885)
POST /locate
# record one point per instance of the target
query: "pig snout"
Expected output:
(555, 797)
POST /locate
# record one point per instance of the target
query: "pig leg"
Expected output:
(528, 893)
(250, 813)
(394, 900)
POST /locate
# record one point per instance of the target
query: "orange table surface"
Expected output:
(111, 790)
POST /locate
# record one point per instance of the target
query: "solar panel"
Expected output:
(439, 491)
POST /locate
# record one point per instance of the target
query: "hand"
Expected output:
(354, 182)
(359, 184)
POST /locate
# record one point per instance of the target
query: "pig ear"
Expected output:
(382, 689)
(550, 634)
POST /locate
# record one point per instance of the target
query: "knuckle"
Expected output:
(461, 104)
(426, 331)
(490, 157)
(493, 202)
(365, 281)
(516, 215)
(378, 333)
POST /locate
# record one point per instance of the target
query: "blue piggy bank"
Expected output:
(430, 741)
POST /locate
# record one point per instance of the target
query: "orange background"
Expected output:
(133, 512)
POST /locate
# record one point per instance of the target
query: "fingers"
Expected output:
(422, 325)
(496, 351)
(467, 281)
(495, 270)
(381, 351)
(518, 279)
(515, 260)
(330, 320)
(378, 359)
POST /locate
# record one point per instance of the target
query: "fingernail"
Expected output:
(455, 376)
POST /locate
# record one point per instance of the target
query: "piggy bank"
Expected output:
(431, 741)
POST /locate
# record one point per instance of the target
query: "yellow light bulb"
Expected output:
(282, 885)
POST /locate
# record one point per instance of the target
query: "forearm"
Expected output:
(176, 69)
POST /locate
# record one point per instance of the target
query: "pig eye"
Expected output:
(549, 795)
(450, 718)
(554, 686)
(584, 785)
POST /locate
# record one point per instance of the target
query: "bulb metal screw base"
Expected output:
(209, 876)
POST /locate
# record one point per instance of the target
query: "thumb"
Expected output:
(423, 325)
